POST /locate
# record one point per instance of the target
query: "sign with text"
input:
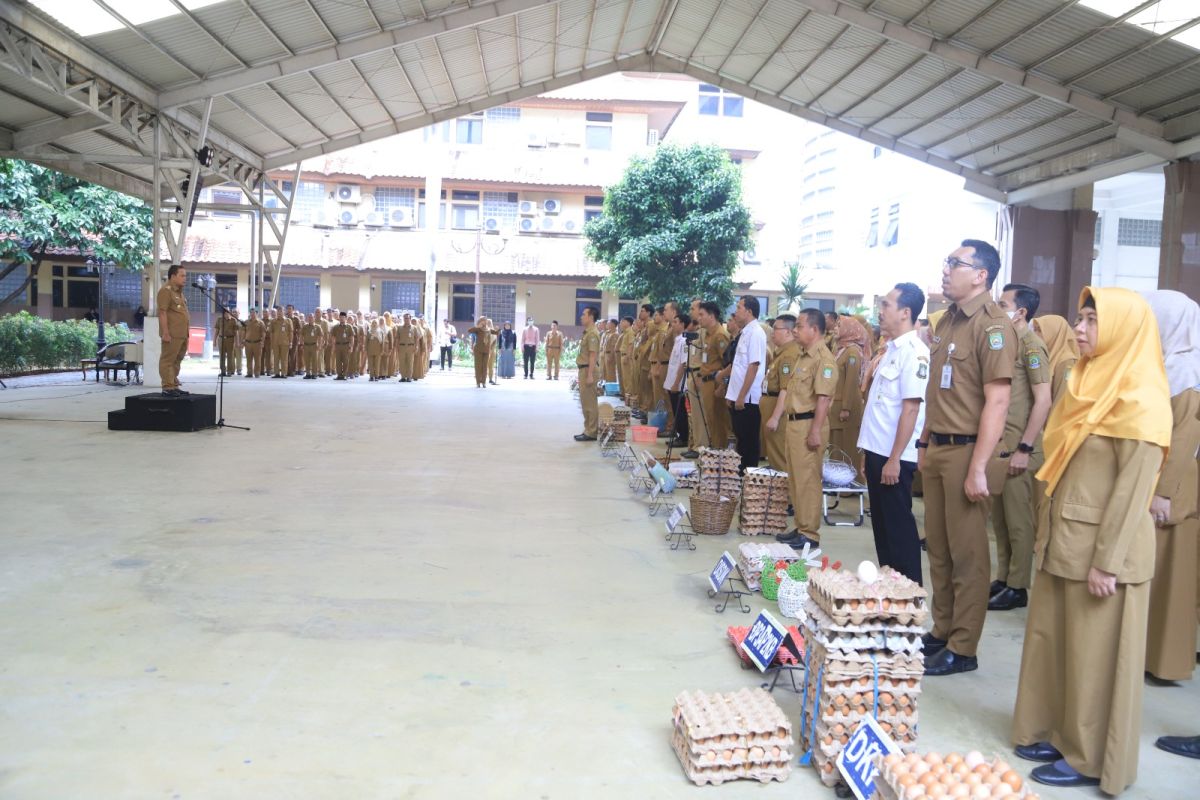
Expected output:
(656, 490)
(676, 517)
(720, 572)
(856, 762)
(764, 640)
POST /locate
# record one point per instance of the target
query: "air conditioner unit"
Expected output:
(572, 226)
(550, 206)
(537, 142)
(347, 217)
(528, 208)
(527, 225)
(374, 220)
(322, 219)
(548, 225)
(491, 225)
(400, 218)
(347, 193)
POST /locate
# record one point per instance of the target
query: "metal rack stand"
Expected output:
(779, 669)
(732, 593)
(626, 458)
(853, 488)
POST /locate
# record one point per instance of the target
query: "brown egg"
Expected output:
(927, 780)
(972, 780)
(905, 781)
(983, 769)
(885, 604)
(904, 701)
(960, 791)
(920, 768)
(1012, 779)
(864, 681)
(839, 729)
(952, 759)
(938, 769)
(776, 752)
(961, 770)
(902, 728)
(891, 759)
(887, 727)
(886, 698)
(933, 757)
(915, 791)
(757, 753)
(981, 792)
(862, 709)
(828, 740)
(911, 758)
(854, 605)
(936, 790)
(727, 755)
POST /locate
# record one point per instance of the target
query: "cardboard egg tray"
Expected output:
(886, 787)
(856, 691)
(750, 555)
(887, 641)
(738, 748)
(822, 619)
(733, 756)
(735, 736)
(842, 665)
(700, 774)
(783, 656)
(764, 476)
(848, 600)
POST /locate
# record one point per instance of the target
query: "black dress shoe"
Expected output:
(583, 437)
(1008, 599)
(796, 540)
(996, 588)
(170, 393)
(1063, 775)
(690, 454)
(1186, 746)
(931, 644)
(1038, 751)
(948, 662)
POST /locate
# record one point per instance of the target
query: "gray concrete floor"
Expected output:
(381, 591)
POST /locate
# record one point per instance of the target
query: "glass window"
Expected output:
(310, 198)
(1139, 232)
(469, 130)
(589, 294)
(400, 295)
(56, 296)
(732, 107)
(599, 137)
(501, 206)
(893, 233)
(123, 289)
(227, 197)
(421, 215)
(463, 309)
(463, 288)
(628, 310)
(715, 101)
(466, 216)
(458, 194)
(437, 132)
(593, 201)
(590, 214)
(503, 114)
(710, 105)
(83, 294)
(388, 198)
(500, 302)
(873, 234)
(303, 293)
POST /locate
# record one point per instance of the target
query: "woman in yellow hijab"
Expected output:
(1079, 695)
(1056, 332)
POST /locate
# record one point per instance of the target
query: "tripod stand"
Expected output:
(683, 393)
(221, 376)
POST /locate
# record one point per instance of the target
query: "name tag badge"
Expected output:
(947, 374)
(704, 359)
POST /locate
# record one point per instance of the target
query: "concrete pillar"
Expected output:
(1179, 254)
(519, 313)
(326, 290)
(243, 291)
(1051, 251)
(44, 302)
(364, 293)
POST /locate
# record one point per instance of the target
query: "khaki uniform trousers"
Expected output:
(480, 367)
(311, 353)
(1081, 678)
(330, 358)
(237, 358)
(553, 357)
(804, 476)
(774, 442)
(267, 350)
(373, 364)
(591, 409)
(491, 364)
(718, 414)
(406, 361)
(169, 359)
(279, 357)
(254, 359)
(227, 348)
(645, 390)
(342, 356)
(957, 542)
(293, 359)
(697, 413)
(1171, 639)
(1015, 527)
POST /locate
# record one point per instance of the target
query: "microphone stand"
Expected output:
(221, 375)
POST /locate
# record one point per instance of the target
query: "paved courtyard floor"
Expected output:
(382, 591)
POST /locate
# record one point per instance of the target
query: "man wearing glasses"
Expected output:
(972, 355)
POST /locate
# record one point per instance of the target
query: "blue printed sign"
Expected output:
(677, 514)
(721, 571)
(764, 640)
(856, 762)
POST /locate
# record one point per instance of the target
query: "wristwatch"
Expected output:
(922, 445)
(1024, 448)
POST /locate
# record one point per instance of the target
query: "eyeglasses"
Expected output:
(954, 263)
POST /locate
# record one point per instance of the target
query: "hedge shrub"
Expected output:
(30, 343)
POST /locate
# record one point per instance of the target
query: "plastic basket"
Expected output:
(837, 469)
(643, 433)
(657, 420)
(612, 389)
(712, 515)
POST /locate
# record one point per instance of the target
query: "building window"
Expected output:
(593, 206)
(400, 296)
(824, 215)
(389, 198)
(824, 236)
(806, 221)
(462, 302)
(500, 302)
(469, 130)
(464, 210)
(627, 308)
(303, 293)
(503, 114)
(824, 258)
(873, 233)
(502, 207)
(122, 289)
(598, 135)
(12, 281)
(893, 229)
(806, 240)
(585, 298)
(1139, 232)
(877, 152)
(310, 198)
(231, 197)
(437, 132)
(717, 102)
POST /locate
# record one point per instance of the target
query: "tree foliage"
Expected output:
(673, 227)
(31, 343)
(42, 209)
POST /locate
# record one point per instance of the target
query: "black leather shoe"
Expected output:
(170, 393)
(948, 662)
(1008, 599)
(996, 588)
(1061, 774)
(1186, 746)
(931, 644)
(1038, 751)
(796, 540)
(583, 437)
(690, 454)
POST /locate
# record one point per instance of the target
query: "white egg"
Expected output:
(868, 572)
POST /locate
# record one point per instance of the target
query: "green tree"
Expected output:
(41, 209)
(673, 227)
(792, 285)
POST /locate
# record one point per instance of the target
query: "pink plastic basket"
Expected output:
(643, 433)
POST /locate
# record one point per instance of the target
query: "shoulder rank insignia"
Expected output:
(1035, 361)
(996, 340)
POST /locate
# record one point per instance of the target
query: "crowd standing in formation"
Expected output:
(1078, 441)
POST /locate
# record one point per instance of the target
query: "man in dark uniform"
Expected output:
(972, 354)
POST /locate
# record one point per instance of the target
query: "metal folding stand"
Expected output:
(609, 446)
(778, 669)
(853, 488)
(658, 497)
(681, 532)
(732, 593)
(626, 458)
(640, 479)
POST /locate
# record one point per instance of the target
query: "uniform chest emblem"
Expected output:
(996, 340)
(785, 369)
(1035, 361)
(827, 372)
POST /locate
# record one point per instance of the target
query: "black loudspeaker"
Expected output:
(157, 412)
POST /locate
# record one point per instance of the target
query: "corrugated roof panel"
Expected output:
(346, 20)
(186, 41)
(17, 113)
(606, 29)
(687, 25)
(967, 116)
(1049, 37)
(730, 20)
(763, 37)
(877, 71)
(1124, 72)
(573, 19)
(94, 142)
(947, 16)
(241, 32)
(998, 130)
(1070, 134)
(814, 35)
(311, 100)
(343, 81)
(126, 50)
(294, 23)
(278, 115)
(639, 28)
(1006, 20)
(1096, 52)
(389, 82)
(898, 9)
(914, 82)
(1078, 147)
(250, 132)
(942, 98)
(499, 43)
(427, 64)
(838, 60)
(460, 51)
(536, 44)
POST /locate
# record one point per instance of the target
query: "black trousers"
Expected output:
(447, 357)
(529, 355)
(681, 417)
(746, 424)
(896, 542)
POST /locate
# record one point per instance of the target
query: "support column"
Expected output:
(365, 301)
(44, 301)
(243, 290)
(1179, 254)
(522, 309)
(326, 290)
(1051, 251)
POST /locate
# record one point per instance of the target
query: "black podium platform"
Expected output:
(156, 412)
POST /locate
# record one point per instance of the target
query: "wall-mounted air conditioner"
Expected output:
(347, 193)
(527, 225)
(347, 217)
(572, 226)
(528, 208)
(548, 225)
(400, 218)
(551, 206)
(374, 220)
(491, 225)
(322, 219)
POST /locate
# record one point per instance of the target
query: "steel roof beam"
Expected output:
(457, 19)
(1117, 58)
(1037, 23)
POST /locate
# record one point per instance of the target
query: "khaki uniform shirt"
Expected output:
(256, 331)
(695, 351)
(227, 328)
(483, 342)
(406, 335)
(374, 342)
(174, 303)
(554, 340)
(715, 343)
(660, 354)
(848, 396)
(815, 374)
(974, 344)
(589, 344)
(343, 335)
(779, 373)
(1032, 367)
(281, 329)
(311, 333)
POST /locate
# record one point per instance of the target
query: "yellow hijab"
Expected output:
(1119, 391)
(1059, 338)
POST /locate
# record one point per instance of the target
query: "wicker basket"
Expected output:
(712, 515)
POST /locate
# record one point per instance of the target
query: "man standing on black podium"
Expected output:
(173, 328)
